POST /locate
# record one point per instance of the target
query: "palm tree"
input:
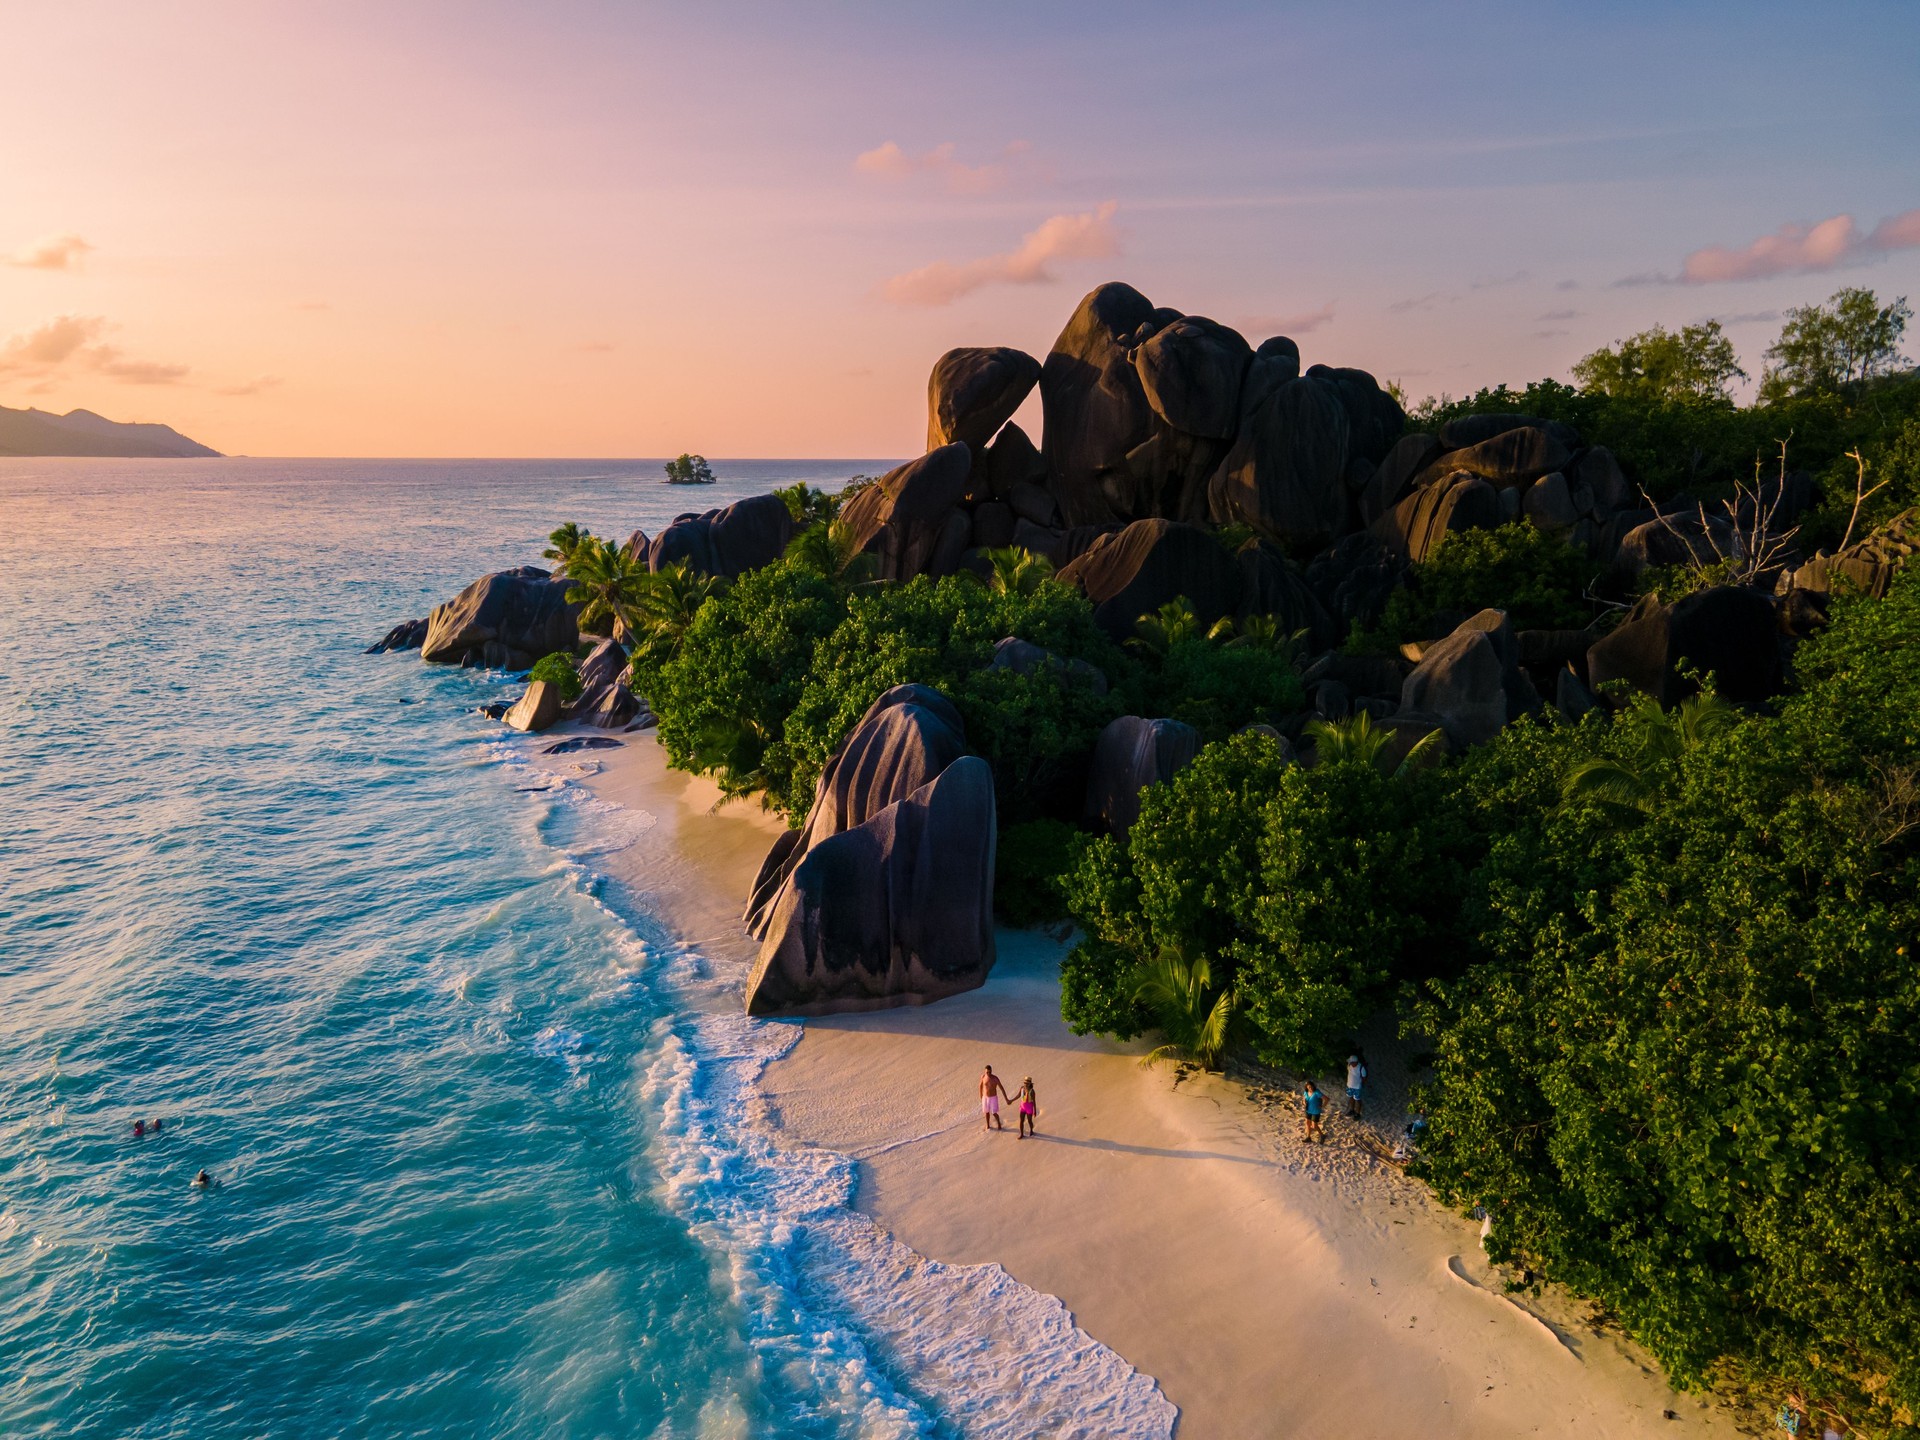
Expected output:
(1166, 627)
(562, 543)
(1017, 571)
(664, 607)
(1263, 632)
(1194, 1022)
(607, 584)
(1630, 784)
(1358, 741)
(832, 551)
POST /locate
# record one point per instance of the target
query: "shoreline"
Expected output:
(1263, 1286)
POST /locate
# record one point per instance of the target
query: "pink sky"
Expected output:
(597, 229)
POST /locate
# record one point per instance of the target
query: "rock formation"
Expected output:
(1137, 570)
(885, 897)
(1131, 754)
(537, 709)
(911, 517)
(508, 619)
(726, 542)
(973, 392)
(1730, 632)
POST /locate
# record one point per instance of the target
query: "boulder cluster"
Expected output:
(1178, 461)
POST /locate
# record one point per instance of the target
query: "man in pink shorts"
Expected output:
(992, 1092)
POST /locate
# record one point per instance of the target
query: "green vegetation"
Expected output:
(1193, 1015)
(1691, 365)
(1540, 580)
(607, 584)
(689, 470)
(561, 544)
(559, 670)
(1823, 349)
(1031, 857)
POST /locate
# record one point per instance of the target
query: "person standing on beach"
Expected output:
(1356, 1077)
(1311, 1101)
(1029, 1107)
(992, 1092)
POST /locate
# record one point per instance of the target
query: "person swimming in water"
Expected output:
(1029, 1107)
(992, 1092)
(203, 1181)
(139, 1129)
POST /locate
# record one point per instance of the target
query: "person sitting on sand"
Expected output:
(1356, 1077)
(1029, 1107)
(1311, 1101)
(992, 1092)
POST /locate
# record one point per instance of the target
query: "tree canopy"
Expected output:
(1691, 365)
(1853, 337)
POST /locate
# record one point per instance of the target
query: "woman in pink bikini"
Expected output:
(1029, 1107)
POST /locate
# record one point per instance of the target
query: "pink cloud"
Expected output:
(74, 341)
(1090, 235)
(59, 252)
(1801, 249)
(1304, 322)
(890, 162)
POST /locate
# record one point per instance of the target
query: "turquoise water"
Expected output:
(485, 1148)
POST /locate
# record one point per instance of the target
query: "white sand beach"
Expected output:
(1270, 1289)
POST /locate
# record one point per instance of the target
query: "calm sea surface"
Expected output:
(484, 1168)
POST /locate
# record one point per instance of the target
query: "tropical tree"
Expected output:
(689, 470)
(1193, 1016)
(1358, 741)
(1162, 632)
(1824, 347)
(832, 551)
(1017, 571)
(1634, 782)
(1691, 365)
(664, 608)
(561, 544)
(607, 584)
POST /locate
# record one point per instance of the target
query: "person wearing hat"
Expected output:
(1356, 1077)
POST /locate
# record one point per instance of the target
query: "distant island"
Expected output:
(689, 470)
(81, 432)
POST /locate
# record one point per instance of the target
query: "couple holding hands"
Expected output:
(992, 1092)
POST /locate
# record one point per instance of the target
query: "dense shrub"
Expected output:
(1034, 729)
(724, 698)
(1031, 858)
(559, 670)
(1682, 1075)
(1540, 580)
(1310, 892)
(1217, 687)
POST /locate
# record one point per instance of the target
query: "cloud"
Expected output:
(1567, 285)
(890, 162)
(1415, 302)
(57, 252)
(1559, 315)
(1500, 282)
(73, 342)
(1549, 334)
(1750, 317)
(1645, 277)
(259, 385)
(1090, 235)
(1802, 249)
(1303, 322)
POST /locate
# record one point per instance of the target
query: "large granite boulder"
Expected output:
(1131, 754)
(1355, 577)
(911, 517)
(509, 619)
(1374, 418)
(1730, 631)
(973, 391)
(1469, 683)
(1013, 460)
(1191, 372)
(604, 699)
(1394, 475)
(537, 709)
(875, 907)
(1686, 538)
(1023, 657)
(1512, 457)
(1095, 407)
(1270, 586)
(1138, 569)
(1284, 475)
(907, 737)
(727, 542)
(1417, 525)
(1596, 468)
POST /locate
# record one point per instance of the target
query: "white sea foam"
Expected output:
(847, 1321)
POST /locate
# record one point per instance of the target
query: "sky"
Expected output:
(627, 229)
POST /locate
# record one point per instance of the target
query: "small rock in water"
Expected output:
(583, 742)
(494, 709)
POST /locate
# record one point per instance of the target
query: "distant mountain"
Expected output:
(81, 432)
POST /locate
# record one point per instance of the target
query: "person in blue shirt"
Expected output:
(1312, 1101)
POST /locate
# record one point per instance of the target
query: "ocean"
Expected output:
(489, 1159)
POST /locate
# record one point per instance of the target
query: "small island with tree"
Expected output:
(689, 470)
